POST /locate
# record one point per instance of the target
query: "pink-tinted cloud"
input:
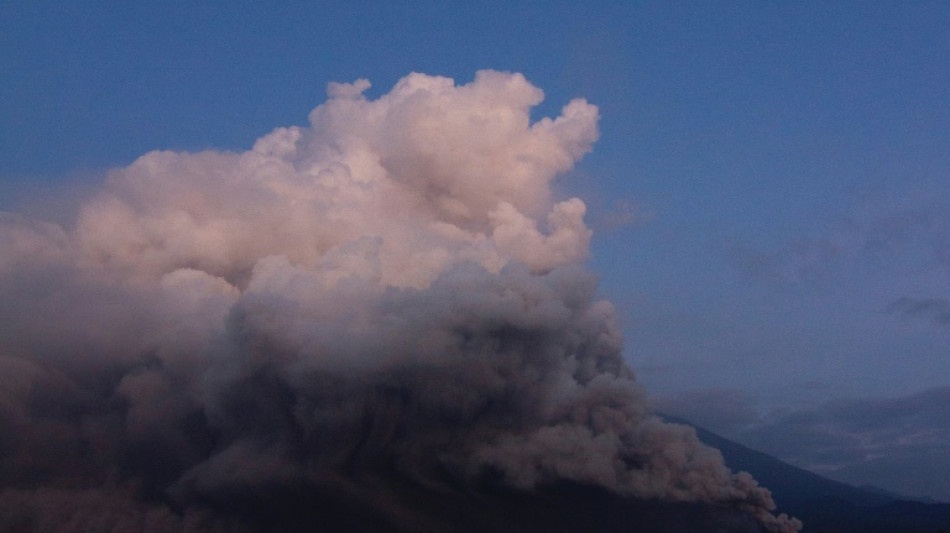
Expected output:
(392, 291)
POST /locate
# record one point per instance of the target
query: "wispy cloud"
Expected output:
(898, 443)
(936, 310)
(911, 234)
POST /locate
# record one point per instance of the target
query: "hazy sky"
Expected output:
(769, 195)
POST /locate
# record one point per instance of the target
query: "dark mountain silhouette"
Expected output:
(393, 504)
(825, 505)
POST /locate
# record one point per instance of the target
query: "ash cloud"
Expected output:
(389, 296)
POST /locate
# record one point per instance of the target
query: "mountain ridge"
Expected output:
(825, 505)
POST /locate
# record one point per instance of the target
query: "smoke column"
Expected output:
(391, 293)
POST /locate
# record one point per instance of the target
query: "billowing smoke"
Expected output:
(388, 298)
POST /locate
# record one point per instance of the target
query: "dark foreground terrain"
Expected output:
(566, 507)
(372, 501)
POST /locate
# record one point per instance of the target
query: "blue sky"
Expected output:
(769, 193)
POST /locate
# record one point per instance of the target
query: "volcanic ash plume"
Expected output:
(390, 297)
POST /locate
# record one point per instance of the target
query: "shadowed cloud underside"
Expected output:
(392, 293)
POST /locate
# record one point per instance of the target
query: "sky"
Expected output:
(768, 195)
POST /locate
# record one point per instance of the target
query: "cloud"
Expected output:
(936, 310)
(724, 411)
(389, 293)
(905, 234)
(622, 214)
(800, 261)
(896, 443)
